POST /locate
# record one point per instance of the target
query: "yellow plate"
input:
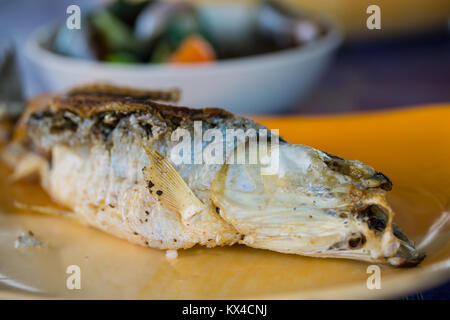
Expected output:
(412, 147)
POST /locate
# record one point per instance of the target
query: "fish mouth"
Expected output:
(377, 219)
(407, 256)
(374, 215)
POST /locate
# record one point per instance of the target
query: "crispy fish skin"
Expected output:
(101, 149)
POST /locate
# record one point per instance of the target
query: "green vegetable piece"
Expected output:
(121, 57)
(117, 35)
(127, 11)
(161, 53)
(180, 26)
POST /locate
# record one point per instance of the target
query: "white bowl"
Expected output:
(266, 83)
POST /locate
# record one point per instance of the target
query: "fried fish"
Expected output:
(107, 154)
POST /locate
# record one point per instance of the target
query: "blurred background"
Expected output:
(405, 63)
(342, 67)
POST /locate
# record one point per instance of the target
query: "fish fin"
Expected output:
(43, 209)
(27, 166)
(166, 184)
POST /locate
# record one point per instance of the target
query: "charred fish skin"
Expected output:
(106, 144)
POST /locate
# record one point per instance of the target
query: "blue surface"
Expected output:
(439, 293)
(385, 73)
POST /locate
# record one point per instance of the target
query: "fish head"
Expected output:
(313, 204)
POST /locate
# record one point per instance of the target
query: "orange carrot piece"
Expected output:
(193, 49)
